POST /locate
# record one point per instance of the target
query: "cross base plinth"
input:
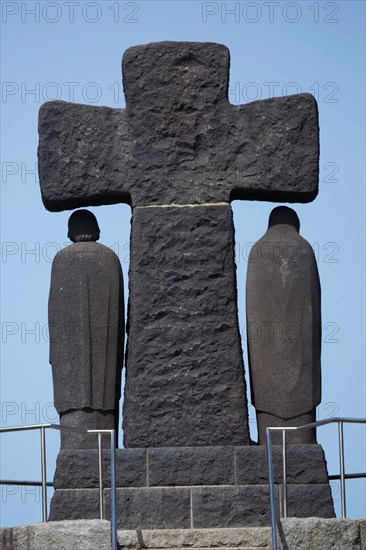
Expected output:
(192, 487)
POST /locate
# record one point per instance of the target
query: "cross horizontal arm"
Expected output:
(81, 155)
(271, 151)
(179, 141)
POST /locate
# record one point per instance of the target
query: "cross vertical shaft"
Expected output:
(185, 375)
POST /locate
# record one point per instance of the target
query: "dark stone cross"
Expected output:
(178, 154)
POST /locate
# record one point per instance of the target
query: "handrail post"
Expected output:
(101, 484)
(284, 473)
(44, 474)
(341, 467)
(272, 496)
(113, 492)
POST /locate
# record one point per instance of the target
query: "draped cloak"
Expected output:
(86, 325)
(283, 324)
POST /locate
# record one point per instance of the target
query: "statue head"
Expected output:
(83, 227)
(284, 215)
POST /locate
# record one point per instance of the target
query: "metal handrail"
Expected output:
(24, 483)
(44, 483)
(340, 422)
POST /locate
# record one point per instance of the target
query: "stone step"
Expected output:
(58, 535)
(229, 538)
(293, 534)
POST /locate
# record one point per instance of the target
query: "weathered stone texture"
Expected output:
(321, 534)
(310, 500)
(230, 506)
(185, 375)
(294, 534)
(79, 469)
(63, 535)
(74, 504)
(305, 464)
(191, 466)
(187, 507)
(80, 155)
(145, 508)
(245, 537)
(179, 140)
(137, 508)
(249, 504)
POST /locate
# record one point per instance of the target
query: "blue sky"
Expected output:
(72, 51)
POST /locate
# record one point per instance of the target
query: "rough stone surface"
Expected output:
(228, 547)
(284, 328)
(191, 466)
(320, 534)
(306, 501)
(187, 507)
(79, 469)
(248, 505)
(63, 535)
(363, 534)
(293, 534)
(256, 537)
(230, 506)
(138, 508)
(194, 148)
(305, 464)
(74, 504)
(185, 375)
(147, 508)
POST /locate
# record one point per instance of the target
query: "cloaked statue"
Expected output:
(86, 323)
(284, 328)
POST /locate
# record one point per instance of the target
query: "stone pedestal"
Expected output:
(191, 487)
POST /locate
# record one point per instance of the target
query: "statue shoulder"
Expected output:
(108, 251)
(107, 255)
(256, 249)
(306, 246)
(62, 254)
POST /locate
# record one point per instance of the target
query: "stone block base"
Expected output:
(191, 487)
